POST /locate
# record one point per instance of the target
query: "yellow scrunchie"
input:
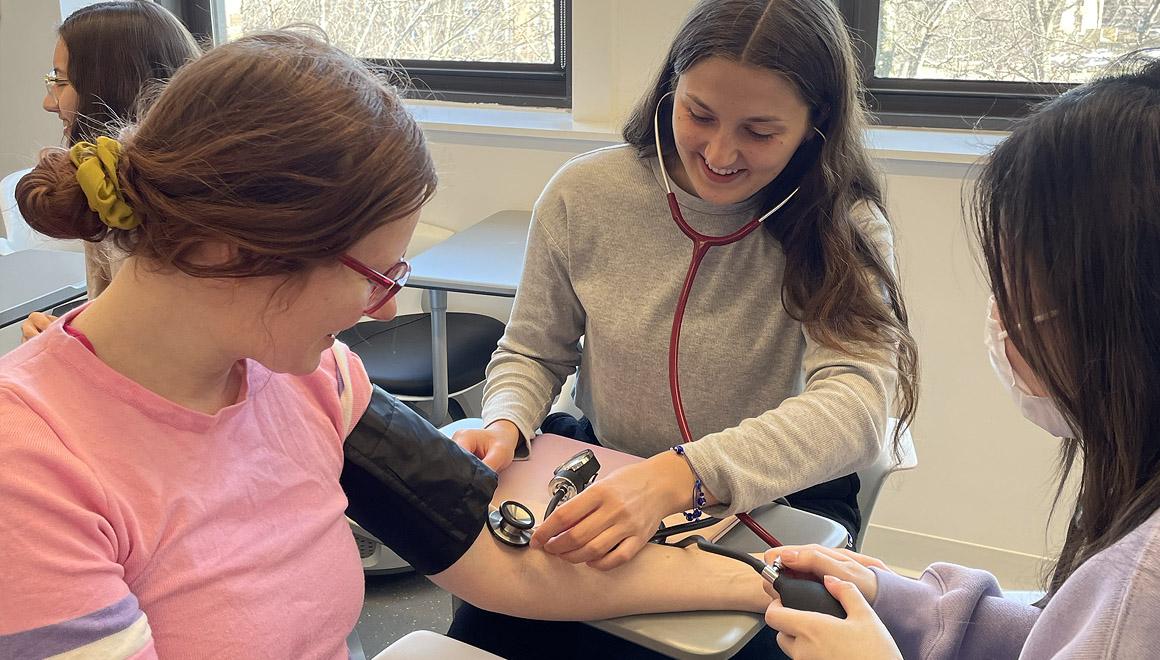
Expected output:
(97, 173)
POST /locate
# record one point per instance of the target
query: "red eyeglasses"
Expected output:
(384, 286)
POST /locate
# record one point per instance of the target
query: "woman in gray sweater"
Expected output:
(1068, 213)
(795, 349)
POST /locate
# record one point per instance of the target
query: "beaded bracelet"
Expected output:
(699, 500)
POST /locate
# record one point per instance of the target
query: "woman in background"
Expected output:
(109, 57)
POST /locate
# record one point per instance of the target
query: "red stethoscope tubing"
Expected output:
(701, 245)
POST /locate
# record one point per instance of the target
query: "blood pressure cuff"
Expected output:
(412, 487)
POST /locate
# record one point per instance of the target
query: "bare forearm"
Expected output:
(531, 583)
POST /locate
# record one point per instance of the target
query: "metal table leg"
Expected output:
(439, 378)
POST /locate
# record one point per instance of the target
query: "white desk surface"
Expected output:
(36, 280)
(486, 258)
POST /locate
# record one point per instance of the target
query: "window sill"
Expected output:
(443, 120)
(499, 120)
(956, 146)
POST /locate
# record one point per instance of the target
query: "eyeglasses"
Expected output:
(52, 80)
(53, 83)
(384, 286)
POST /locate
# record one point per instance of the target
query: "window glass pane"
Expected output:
(514, 31)
(1065, 41)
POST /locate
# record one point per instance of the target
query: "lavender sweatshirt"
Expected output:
(1108, 608)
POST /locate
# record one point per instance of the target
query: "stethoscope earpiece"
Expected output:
(512, 523)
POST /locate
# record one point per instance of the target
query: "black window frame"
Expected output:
(932, 103)
(507, 83)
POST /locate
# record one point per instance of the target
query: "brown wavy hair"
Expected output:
(1067, 212)
(117, 52)
(835, 276)
(278, 144)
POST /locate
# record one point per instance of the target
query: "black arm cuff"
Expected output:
(412, 487)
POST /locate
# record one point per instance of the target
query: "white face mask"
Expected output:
(1040, 410)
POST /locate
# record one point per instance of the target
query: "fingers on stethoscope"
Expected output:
(563, 523)
(583, 534)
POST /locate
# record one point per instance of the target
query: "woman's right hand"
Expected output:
(494, 445)
(35, 324)
(819, 561)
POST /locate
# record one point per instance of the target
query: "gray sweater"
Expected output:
(1108, 608)
(774, 411)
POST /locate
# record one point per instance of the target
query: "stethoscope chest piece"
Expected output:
(512, 523)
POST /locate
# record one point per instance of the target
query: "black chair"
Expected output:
(397, 356)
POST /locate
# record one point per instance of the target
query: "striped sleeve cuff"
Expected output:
(120, 630)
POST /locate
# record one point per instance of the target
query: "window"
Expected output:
(960, 63)
(500, 51)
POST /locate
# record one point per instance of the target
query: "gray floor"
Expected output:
(397, 604)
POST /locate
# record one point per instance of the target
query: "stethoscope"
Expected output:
(513, 522)
(701, 245)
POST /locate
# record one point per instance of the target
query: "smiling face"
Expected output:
(327, 300)
(735, 127)
(61, 99)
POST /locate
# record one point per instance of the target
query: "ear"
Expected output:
(819, 117)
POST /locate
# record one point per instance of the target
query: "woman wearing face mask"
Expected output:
(1068, 215)
(106, 56)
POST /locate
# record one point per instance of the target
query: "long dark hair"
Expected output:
(807, 42)
(116, 50)
(1067, 212)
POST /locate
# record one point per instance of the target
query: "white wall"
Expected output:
(985, 477)
(27, 38)
(633, 39)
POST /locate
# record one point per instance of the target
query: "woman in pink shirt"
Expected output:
(172, 451)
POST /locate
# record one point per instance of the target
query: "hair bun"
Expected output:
(51, 200)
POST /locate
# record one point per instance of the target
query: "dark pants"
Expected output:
(515, 638)
(526, 639)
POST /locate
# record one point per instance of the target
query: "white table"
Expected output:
(38, 280)
(487, 259)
